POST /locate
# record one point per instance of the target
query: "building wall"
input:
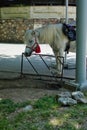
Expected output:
(12, 30)
(31, 12)
(15, 21)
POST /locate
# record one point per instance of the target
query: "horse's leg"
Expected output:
(57, 63)
(59, 60)
(66, 52)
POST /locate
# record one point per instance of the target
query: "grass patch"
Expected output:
(7, 106)
(46, 103)
(46, 114)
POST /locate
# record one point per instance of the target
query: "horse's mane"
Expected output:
(49, 33)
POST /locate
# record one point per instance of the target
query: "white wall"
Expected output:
(37, 12)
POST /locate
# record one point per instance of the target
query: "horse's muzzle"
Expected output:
(28, 51)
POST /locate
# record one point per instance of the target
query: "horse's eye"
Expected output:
(30, 41)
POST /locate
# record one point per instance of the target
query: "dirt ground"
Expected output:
(23, 94)
(25, 89)
(20, 90)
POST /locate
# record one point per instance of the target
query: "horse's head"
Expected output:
(69, 31)
(32, 42)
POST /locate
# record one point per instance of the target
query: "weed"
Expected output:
(47, 114)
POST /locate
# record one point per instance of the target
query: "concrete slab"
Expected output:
(10, 61)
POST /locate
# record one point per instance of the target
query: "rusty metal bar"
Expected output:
(40, 75)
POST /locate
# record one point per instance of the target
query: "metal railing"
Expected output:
(46, 77)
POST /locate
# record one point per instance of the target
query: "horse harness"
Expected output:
(33, 46)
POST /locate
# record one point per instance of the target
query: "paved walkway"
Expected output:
(10, 61)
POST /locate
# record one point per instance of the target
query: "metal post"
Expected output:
(81, 43)
(65, 57)
(22, 64)
(66, 11)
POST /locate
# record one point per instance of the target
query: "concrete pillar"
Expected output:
(81, 43)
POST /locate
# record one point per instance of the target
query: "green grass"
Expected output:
(46, 114)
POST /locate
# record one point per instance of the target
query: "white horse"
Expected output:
(58, 36)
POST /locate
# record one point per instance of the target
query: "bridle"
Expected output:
(33, 47)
